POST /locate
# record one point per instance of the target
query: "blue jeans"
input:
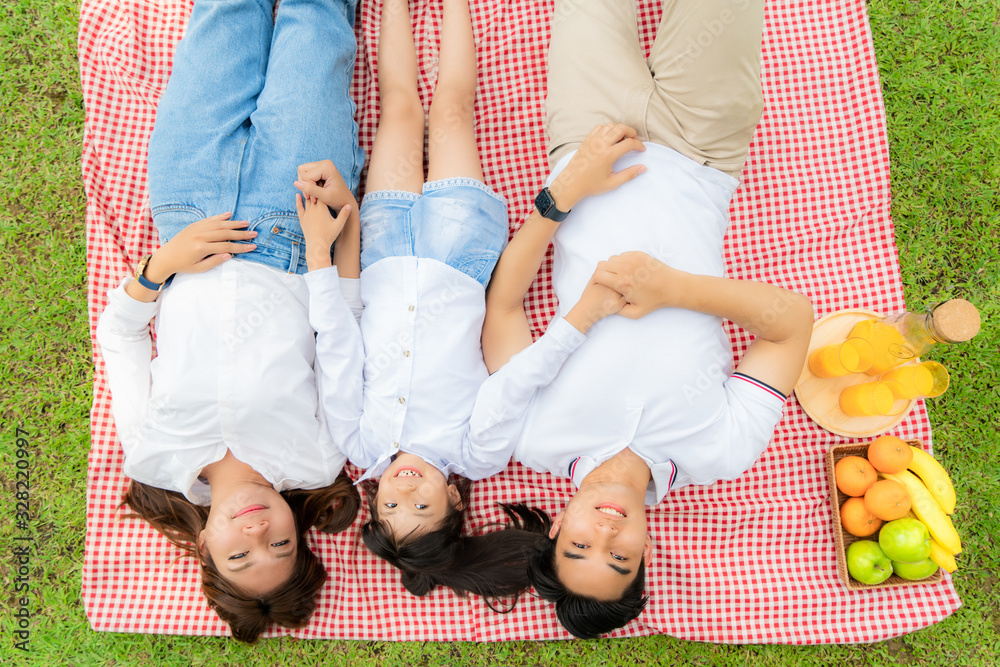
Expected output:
(458, 221)
(249, 100)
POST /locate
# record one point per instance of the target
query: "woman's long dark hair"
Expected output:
(491, 565)
(330, 509)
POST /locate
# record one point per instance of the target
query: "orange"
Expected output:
(890, 454)
(856, 519)
(854, 475)
(887, 499)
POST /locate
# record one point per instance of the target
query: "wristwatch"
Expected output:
(145, 282)
(546, 205)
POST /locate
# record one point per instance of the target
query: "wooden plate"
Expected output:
(820, 397)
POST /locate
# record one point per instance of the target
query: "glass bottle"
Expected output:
(899, 338)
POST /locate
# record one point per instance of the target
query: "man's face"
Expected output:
(601, 539)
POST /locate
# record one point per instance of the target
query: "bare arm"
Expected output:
(590, 172)
(781, 319)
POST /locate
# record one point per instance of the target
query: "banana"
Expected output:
(935, 478)
(943, 557)
(927, 510)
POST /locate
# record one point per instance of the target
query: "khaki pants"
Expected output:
(698, 93)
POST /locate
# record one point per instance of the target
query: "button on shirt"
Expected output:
(423, 366)
(234, 370)
(660, 385)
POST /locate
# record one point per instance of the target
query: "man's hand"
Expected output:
(591, 170)
(646, 283)
(322, 181)
(320, 229)
(596, 303)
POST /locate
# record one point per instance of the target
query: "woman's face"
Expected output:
(414, 496)
(251, 537)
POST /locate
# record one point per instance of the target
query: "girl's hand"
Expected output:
(322, 181)
(199, 247)
(320, 229)
(596, 303)
(591, 170)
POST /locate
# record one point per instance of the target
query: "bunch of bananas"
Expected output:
(932, 498)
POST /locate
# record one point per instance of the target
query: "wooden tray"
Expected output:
(843, 539)
(820, 397)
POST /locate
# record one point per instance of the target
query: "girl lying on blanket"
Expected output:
(428, 251)
(646, 401)
(229, 434)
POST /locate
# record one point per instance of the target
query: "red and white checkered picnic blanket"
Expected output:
(750, 561)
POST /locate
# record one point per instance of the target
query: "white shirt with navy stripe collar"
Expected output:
(662, 385)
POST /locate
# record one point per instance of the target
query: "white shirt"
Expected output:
(234, 370)
(423, 367)
(659, 385)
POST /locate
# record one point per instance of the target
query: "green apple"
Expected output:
(915, 571)
(867, 563)
(905, 540)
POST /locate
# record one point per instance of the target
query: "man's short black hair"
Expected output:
(584, 617)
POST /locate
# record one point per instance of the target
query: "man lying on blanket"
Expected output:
(644, 402)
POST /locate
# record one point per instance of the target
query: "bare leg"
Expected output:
(397, 161)
(452, 149)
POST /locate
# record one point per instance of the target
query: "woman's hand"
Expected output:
(596, 303)
(199, 247)
(646, 283)
(320, 229)
(322, 181)
(591, 170)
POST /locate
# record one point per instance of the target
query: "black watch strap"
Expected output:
(546, 205)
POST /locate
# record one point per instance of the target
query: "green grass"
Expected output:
(941, 77)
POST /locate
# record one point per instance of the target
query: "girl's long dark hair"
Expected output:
(330, 509)
(491, 565)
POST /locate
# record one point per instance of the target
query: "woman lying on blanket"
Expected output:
(428, 251)
(229, 435)
(644, 402)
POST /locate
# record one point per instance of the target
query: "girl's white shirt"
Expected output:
(423, 366)
(235, 369)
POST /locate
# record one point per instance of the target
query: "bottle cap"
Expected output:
(956, 320)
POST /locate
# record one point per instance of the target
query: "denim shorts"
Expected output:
(458, 221)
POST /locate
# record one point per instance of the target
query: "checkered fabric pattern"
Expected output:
(749, 561)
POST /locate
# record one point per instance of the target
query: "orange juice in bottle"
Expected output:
(899, 338)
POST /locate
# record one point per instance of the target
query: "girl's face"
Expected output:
(251, 536)
(414, 496)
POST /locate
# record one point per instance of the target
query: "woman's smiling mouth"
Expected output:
(249, 509)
